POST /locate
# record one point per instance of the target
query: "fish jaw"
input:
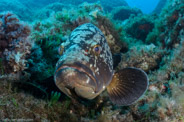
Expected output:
(72, 79)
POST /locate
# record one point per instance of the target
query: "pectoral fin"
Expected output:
(127, 86)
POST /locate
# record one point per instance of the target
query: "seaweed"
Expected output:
(54, 98)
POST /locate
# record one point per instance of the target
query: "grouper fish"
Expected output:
(85, 69)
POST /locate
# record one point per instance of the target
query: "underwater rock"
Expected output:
(165, 96)
(146, 57)
(173, 37)
(40, 66)
(140, 26)
(15, 44)
(29, 10)
(112, 35)
(168, 29)
(124, 12)
(160, 6)
(107, 4)
(50, 9)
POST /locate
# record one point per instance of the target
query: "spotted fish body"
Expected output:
(85, 68)
(81, 52)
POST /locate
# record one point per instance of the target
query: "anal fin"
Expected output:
(127, 86)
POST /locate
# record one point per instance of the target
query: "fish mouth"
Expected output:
(83, 69)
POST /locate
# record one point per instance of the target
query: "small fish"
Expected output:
(85, 69)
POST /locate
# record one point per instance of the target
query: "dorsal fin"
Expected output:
(127, 86)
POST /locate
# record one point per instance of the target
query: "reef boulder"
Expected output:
(146, 57)
(124, 12)
(140, 26)
(160, 6)
(15, 45)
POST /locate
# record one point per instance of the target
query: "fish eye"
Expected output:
(97, 49)
(61, 49)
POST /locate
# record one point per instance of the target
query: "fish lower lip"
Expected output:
(80, 69)
(74, 94)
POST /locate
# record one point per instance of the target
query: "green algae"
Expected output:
(54, 98)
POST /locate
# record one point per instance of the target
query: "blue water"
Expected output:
(147, 6)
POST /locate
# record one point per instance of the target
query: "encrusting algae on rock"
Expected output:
(15, 44)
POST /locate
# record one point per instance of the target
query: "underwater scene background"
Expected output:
(141, 34)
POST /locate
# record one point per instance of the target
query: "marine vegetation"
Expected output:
(171, 18)
(139, 26)
(29, 52)
(15, 44)
(124, 12)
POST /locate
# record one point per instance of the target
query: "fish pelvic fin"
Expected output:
(127, 86)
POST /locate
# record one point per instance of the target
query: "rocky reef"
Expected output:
(160, 6)
(146, 57)
(124, 12)
(168, 29)
(153, 43)
(31, 10)
(15, 44)
(139, 26)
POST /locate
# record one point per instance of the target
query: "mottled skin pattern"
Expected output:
(85, 68)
